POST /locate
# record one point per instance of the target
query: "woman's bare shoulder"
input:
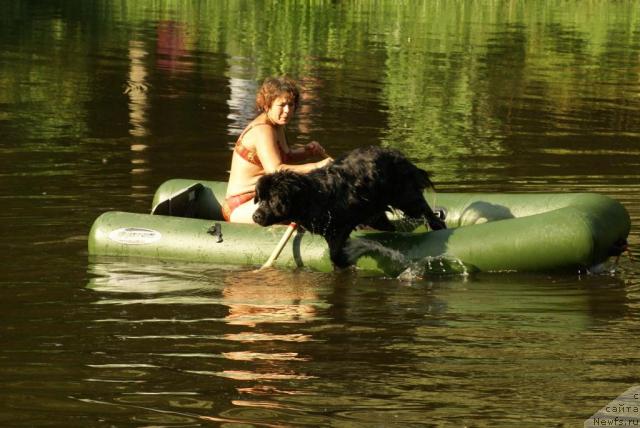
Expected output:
(259, 132)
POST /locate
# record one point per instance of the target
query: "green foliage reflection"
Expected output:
(453, 78)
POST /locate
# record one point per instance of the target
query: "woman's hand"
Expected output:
(324, 162)
(315, 149)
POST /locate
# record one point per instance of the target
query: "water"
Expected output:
(100, 102)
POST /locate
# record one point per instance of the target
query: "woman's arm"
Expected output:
(310, 150)
(305, 167)
(269, 154)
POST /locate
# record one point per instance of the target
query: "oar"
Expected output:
(283, 241)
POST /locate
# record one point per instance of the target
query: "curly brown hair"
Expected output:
(274, 87)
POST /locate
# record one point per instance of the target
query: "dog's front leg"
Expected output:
(337, 242)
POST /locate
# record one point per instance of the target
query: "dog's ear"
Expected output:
(297, 188)
(262, 188)
(290, 192)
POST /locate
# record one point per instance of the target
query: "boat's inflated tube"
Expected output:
(486, 232)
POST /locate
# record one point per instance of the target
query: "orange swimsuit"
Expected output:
(252, 155)
(233, 202)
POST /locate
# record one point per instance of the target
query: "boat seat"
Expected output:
(196, 201)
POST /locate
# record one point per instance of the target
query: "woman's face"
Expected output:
(281, 111)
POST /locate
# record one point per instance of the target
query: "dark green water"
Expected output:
(101, 101)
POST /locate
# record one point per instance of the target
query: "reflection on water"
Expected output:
(273, 300)
(171, 49)
(137, 88)
(241, 110)
(294, 346)
(247, 299)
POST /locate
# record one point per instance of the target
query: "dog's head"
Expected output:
(409, 185)
(279, 197)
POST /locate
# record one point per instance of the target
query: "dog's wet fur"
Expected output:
(356, 189)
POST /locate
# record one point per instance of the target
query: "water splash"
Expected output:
(409, 268)
(320, 225)
(430, 266)
(358, 247)
(608, 267)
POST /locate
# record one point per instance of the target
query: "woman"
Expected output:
(262, 148)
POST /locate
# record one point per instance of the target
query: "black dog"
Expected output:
(354, 190)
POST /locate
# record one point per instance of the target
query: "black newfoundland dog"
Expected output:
(354, 190)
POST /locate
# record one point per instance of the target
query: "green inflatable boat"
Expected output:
(486, 232)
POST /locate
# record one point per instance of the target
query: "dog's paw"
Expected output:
(436, 223)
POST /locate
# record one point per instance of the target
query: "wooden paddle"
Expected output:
(283, 241)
